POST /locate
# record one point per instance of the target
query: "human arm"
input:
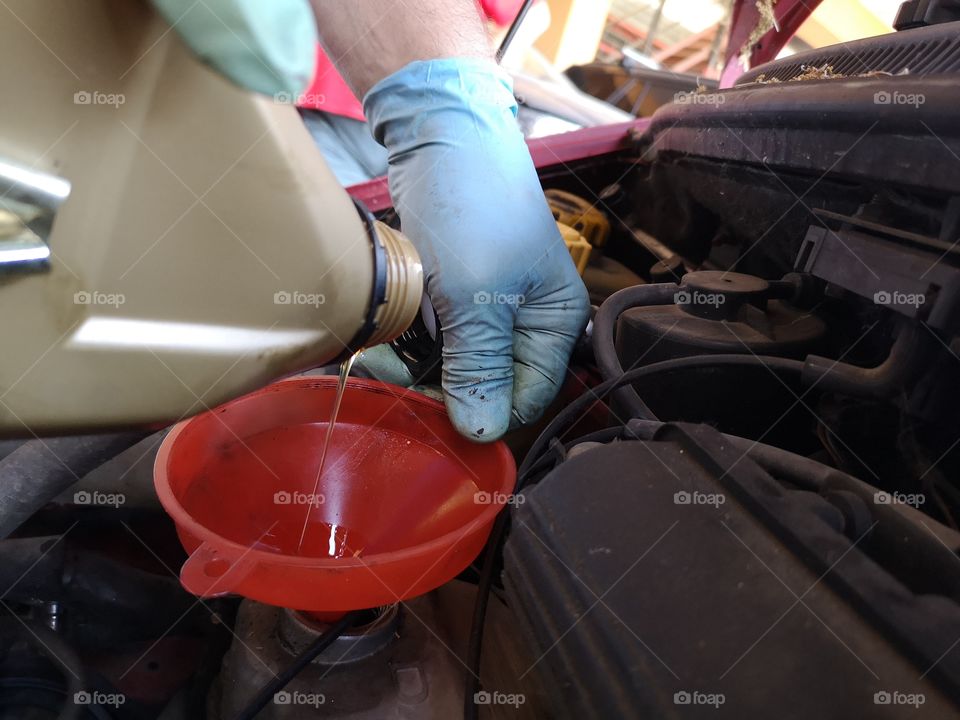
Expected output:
(510, 302)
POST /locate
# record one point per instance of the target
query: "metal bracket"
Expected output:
(914, 275)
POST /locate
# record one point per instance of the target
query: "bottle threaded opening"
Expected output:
(404, 286)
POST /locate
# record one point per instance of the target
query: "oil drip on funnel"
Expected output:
(405, 503)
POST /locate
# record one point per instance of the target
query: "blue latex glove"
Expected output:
(268, 46)
(509, 298)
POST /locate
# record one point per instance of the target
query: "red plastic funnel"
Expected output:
(404, 503)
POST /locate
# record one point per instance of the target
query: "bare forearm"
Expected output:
(370, 39)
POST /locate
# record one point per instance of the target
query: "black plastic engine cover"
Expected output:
(675, 578)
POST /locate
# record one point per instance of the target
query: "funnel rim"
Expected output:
(236, 552)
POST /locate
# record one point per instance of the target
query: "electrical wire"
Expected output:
(266, 693)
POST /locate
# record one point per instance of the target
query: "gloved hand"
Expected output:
(509, 298)
(269, 47)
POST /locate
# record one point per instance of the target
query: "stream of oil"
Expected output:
(345, 368)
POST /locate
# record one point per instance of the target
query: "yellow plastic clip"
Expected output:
(577, 245)
(580, 214)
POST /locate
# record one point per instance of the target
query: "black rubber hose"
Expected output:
(514, 27)
(906, 359)
(604, 330)
(266, 693)
(564, 419)
(39, 470)
(801, 471)
(569, 414)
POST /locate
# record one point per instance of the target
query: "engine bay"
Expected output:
(744, 500)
